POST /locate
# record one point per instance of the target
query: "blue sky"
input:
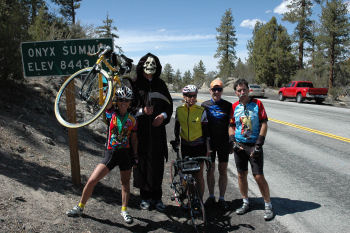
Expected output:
(179, 32)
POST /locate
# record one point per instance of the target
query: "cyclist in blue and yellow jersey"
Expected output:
(122, 133)
(248, 128)
(218, 113)
(191, 126)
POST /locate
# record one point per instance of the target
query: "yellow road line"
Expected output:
(311, 130)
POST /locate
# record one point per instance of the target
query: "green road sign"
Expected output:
(59, 57)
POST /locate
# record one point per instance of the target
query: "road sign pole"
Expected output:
(73, 135)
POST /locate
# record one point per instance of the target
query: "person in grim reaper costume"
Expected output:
(154, 108)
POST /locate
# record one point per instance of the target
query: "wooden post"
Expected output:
(73, 135)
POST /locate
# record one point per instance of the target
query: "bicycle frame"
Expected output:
(98, 66)
(185, 188)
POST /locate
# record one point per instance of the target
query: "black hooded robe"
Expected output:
(152, 141)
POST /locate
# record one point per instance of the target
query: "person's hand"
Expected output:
(258, 147)
(158, 120)
(234, 146)
(257, 151)
(135, 161)
(148, 110)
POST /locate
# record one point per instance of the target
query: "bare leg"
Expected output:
(200, 180)
(125, 180)
(263, 186)
(243, 183)
(100, 171)
(211, 179)
(222, 178)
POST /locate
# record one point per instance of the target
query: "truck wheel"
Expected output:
(319, 101)
(299, 98)
(281, 97)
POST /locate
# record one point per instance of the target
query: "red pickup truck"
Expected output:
(302, 90)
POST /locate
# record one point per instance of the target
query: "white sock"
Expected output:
(246, 200)
(268, 204)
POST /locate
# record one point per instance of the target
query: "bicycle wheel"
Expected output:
(175, 185)
(89, 98)
(197, 211)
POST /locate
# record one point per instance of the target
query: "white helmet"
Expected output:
(124, 93)
(189, 89)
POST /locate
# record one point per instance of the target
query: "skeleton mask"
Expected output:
(150, 66)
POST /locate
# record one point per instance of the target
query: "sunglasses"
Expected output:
(190, 96)
(214, 89)
(123, 100)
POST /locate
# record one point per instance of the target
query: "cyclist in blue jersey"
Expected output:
(218, 114)
(248, 128)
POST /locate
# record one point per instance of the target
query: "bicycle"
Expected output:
(184, 186)
(91, 88)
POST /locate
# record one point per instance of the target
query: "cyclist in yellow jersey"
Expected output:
(191, 126)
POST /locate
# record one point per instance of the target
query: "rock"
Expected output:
(49, 141)
(21, 150)
(60, 139)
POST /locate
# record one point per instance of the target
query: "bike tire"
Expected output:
(87, 110)
(175, 181)
(197, 210)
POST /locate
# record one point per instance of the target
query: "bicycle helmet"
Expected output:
(189, 89)
(124, 93)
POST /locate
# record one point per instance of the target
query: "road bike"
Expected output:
(91, 89)
(184, 186)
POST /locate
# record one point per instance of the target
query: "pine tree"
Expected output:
(177, 81)
(40, 29)
(300, 12)
(68, 8)
(226, 39)
(270, 52)
(167, 74)
(14, 25)
(334, 35)
(245, 71)
(187, 78)
(34, 7)
(106, 30)
(199, 74)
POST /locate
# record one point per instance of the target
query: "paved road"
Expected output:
(307, 165)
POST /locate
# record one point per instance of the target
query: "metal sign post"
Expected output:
(62, 58)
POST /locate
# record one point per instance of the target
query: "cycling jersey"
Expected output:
(218, 114)
(189, 122)
(247, 120)
(119, 131)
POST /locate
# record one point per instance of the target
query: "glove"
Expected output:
(233, 144)
(258, 150)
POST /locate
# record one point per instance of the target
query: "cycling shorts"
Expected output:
(221, 149)
(242, 157)
(193, 151)
(120, 157)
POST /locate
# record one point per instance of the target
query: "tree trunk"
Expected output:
(331, 66)
(301, 54)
